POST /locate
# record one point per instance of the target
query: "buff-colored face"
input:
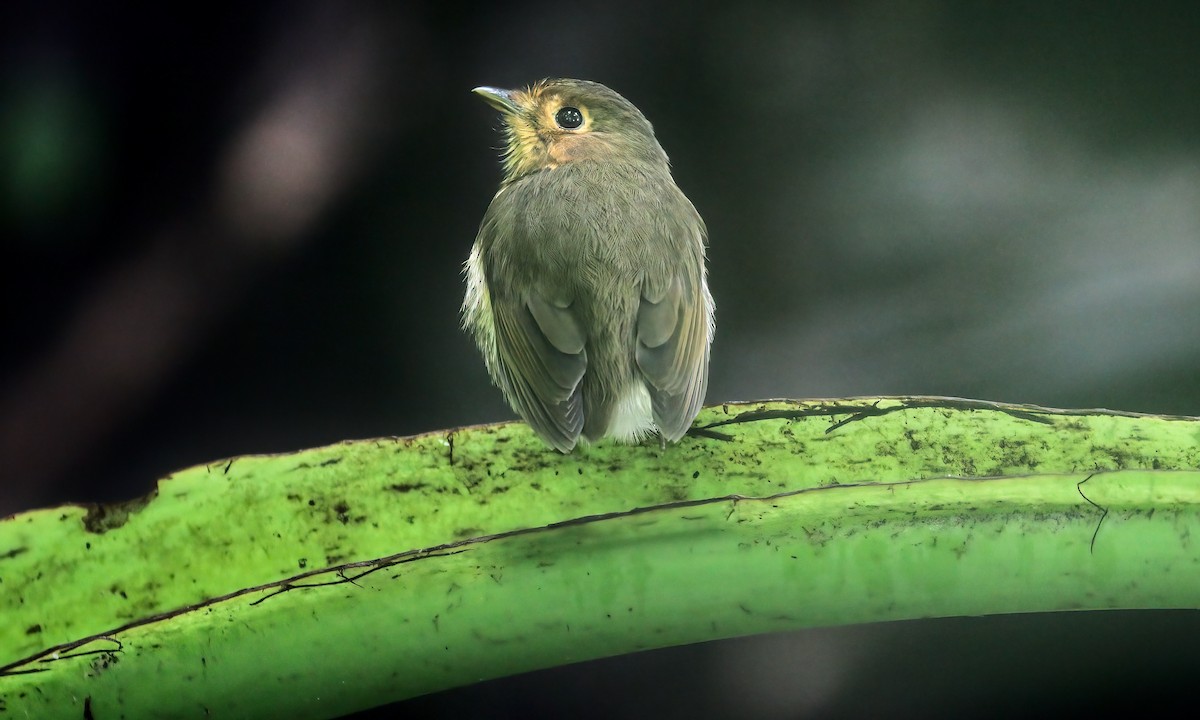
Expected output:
(554, 122)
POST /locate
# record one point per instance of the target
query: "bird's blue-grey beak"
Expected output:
(502, 100)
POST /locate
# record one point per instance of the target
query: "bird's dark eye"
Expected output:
(569, 118)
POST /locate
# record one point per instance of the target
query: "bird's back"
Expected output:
(589, 235)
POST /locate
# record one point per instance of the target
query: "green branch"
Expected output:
(320, 582)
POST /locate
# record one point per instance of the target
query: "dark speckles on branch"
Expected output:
(324, 463)
(14, 552)
(103, 517)
(408, 487)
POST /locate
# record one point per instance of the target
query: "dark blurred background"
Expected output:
(241, 230)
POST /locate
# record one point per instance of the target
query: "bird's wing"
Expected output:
(541, 348)
(672, 347)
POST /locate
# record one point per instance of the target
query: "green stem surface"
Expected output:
(320, 582)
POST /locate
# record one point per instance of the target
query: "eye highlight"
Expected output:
(568, 118)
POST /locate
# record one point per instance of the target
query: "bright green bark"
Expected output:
(479, 553)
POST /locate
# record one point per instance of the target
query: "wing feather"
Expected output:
(673, 329)
(542, 360)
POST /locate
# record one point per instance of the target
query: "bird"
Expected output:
(587, 284)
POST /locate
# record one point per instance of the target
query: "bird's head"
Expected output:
(559, 121)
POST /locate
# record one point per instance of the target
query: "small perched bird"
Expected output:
(586, 286)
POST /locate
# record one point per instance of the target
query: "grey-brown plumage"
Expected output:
(586, 287)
